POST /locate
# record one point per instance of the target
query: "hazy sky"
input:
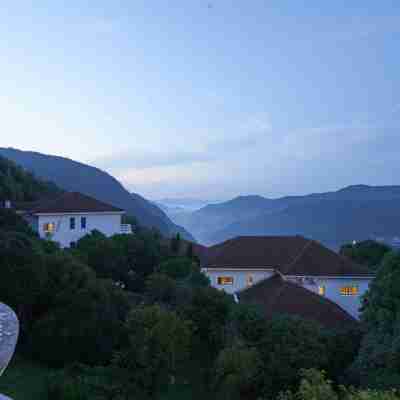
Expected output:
(207, 99)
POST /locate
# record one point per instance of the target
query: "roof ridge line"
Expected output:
(322, 298)
(302, 251)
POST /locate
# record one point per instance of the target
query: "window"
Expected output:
(249, 280)
(321, 290)
(72, 223)
(349, 291)
(83, 223)
(225, 280)
(49, 227)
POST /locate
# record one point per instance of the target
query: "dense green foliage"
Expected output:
(368, 252)
(132, 316)
(17, 184)
(158, 345)
(378, 363)
(143, 319)
(315, 386)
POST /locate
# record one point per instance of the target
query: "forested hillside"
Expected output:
(16, 184)
(73, 176)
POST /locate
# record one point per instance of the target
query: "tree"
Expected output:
(23, 275)
(85, 326)
(10, 221)
(315, 386)
(237, 373)
(16, 184)
(378, 362)
(159, 345)
(209, 310)
(160, 288)
(177, 267)
(290, 344)
(368, 252)
(247, 323)
(175, 244)
(126, 259)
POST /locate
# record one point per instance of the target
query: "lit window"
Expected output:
(225, 280)
(321, 290)
(83, 223)
(349, 291)
(49, 227)
(249, 280)
(72, 223)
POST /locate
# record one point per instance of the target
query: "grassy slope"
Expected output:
(24, 380)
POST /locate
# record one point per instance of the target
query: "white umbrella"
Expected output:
(9, 328)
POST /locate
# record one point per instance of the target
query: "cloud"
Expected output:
(247, 134)
(142, 159)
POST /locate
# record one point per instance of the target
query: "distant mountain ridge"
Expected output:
(75, 176)
(355, 212)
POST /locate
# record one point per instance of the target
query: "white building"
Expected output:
(238, 264)
(72, 215)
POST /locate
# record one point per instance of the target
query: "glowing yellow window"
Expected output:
(349, 291)
(321, 290)
(49, 227)
(225, 280)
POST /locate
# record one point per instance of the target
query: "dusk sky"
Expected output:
(207, 99)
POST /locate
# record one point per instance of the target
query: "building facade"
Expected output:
(238, 264)
(73, 215)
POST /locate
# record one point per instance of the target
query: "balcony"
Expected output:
(126, 229)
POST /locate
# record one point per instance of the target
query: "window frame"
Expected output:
(83, 223)
(72, 223)
(349, 291)
(46, 227)
(225, 280)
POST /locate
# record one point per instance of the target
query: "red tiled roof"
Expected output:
(277, 296)
(72, 202)
(292, 255)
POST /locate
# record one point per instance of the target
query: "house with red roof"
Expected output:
(70, 216)
(289, 274)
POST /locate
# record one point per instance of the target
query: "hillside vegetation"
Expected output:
(133, 317)
(73, 176)
(16, 184)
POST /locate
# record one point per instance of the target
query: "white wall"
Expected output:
(108, 224)
(332, 286)
(239, 277)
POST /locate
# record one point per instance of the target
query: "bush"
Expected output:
(159, 346)
(291, 344)
(315, 386)
(237, 373)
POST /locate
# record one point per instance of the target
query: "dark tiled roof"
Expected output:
(317, 260)
(256, 251)
(292, 255)
(277, 296)
(71, 202)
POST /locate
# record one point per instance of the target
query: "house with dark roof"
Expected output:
(71, 216)
(289, 274)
